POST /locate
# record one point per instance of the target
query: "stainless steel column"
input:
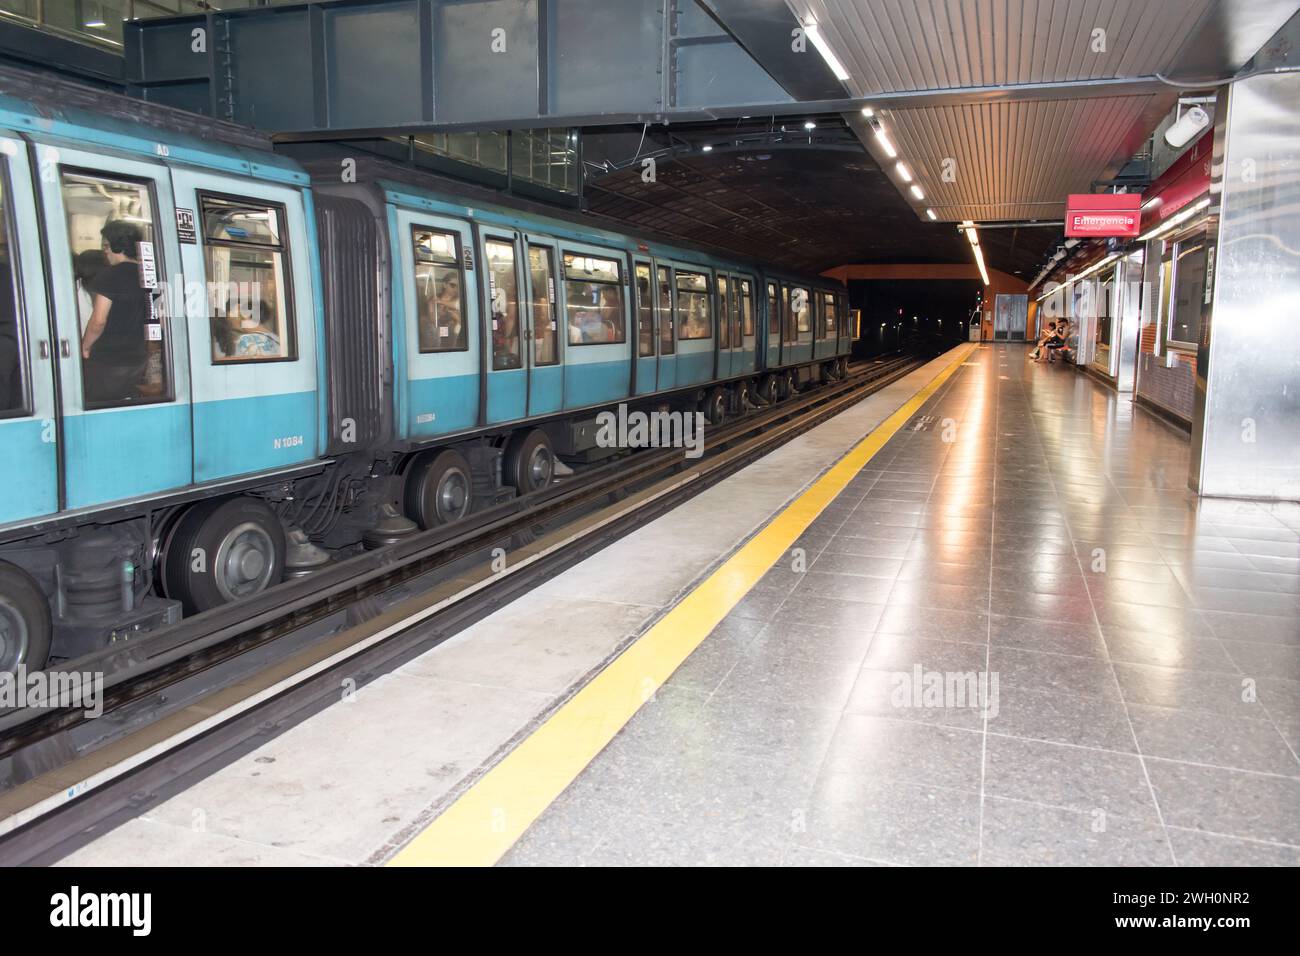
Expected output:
(1246, 427)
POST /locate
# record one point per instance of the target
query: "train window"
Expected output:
(1187, 291)
(645, 313)
(503, 290)
(735, 314)
(116, 267)
(693, 306)
(801, 308)
(541, 266)
(13, 392)
(724, 310)
(787, 317)
(773, 313)
(828, 315)
(439, 295)
(593, 295)
(666, 345)
(746, 308)
(249, 300)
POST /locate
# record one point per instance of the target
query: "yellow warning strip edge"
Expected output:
(481, 825)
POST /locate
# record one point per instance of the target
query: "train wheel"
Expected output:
(715, 407)
(439, 489)
(223, 551)
(25, 623)
(530, 461)
(788, 385)
(769, 390)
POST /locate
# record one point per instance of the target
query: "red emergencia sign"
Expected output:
(1103, 214)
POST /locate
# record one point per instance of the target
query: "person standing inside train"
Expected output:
(113, 347)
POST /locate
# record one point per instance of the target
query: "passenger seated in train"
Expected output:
(113, 347)
(241, 334)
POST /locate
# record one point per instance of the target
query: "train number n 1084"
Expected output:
(290, 441)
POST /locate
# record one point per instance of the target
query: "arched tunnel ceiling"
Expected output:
(804, 207)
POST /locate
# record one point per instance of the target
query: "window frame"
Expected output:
(486, 238)
(290, 299)
(773, 291)
(746, 294)
(652, 303)
(667, 271)
(1197, 231)
(548, 250)
(708, 293)
(169, 370)
(618, 259)
(22, 340)
(459, 265)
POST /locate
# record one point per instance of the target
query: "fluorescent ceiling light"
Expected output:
(810, 125)
(930, 213)
(903, 172)
(868, 111)
(883, 138)
(707, 148)
(1181, 217)
(916, 191)
(827, 53)
(979, 261)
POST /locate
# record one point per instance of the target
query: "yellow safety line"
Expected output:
(487, 819)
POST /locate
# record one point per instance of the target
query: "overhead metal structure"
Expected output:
(996, 108)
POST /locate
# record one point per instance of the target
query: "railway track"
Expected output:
(180, 703)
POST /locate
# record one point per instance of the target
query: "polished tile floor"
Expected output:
(1015, 638)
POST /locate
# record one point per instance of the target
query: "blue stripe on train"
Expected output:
(239, 436)
(30, 488)
(125, 453)
(591, 384)
(437, 406)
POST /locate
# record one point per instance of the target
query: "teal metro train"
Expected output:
(219, 366)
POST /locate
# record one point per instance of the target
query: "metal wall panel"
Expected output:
(471, 81)
(373, 64)
(629, 34)
(1246, 431)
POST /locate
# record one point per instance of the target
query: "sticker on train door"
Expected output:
(185, 226)
(148, 266)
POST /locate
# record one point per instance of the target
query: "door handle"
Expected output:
(65, 349)
(45, 349)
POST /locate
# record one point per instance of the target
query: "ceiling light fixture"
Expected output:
(883, 138)
(916, 191)
(819, 41)
(930, 213)
(810, 125)
(903, 172)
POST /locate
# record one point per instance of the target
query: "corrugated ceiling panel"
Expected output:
(910, 45)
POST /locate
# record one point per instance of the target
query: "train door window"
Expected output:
(773, 312)
(746, 308)
(13, 389)
(801, 307)
(828, 315)
(439, 296)
(1187, 290)
(666, 346)
(593, 294)
(734, 313)
(693, 306)
(250, 307)
(116, 269)
(503, 287)
(724, 311)
(787, 317)
(541, 265)
(645, 313)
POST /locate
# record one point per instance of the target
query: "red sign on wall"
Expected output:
(1093, 215)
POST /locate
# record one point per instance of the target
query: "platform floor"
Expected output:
(1146, 647)
(1141, 653)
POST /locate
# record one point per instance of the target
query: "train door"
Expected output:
(545, 359)
(773, 325)
(667, 327)
(253, 331)
(123, 377)
(646, 330)
(694, 325)
(435, 325)
(507, 377)
(725, 302)
(747, 333)
(800, 308)
(27, 410)
(598, 353)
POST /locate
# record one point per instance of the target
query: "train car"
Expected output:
(311, 367)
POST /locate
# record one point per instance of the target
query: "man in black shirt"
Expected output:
(113, 346)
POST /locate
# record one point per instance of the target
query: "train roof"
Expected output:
(418, 188)
(54, 107)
